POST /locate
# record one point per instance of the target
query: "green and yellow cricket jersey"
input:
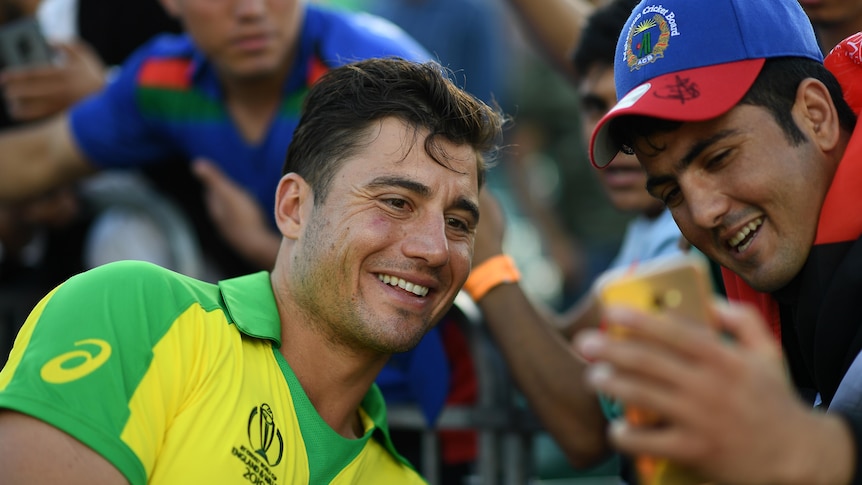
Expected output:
(174, 380)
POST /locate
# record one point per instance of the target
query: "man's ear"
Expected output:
(817, 114)
(294, 201)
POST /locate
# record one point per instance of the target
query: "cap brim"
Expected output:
(696, 94)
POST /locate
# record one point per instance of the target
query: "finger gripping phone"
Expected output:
(680, 286)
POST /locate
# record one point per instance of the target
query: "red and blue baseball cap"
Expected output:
(694, 60)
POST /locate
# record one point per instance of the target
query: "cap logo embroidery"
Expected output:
(649, 36)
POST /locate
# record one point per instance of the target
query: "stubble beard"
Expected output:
(346, 322)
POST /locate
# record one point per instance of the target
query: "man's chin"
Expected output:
(253, 70)
(765, 281)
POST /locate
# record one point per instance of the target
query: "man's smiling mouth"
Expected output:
(418, 290)
(743, 238)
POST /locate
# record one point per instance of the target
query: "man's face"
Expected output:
(832, 11)
(245, 39)
(741, 192)
(384, 256)
(623, 179)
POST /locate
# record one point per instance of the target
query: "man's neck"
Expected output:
(254, 102)
(335, 378)
(253, 105)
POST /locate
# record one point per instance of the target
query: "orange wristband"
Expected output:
(494, 271)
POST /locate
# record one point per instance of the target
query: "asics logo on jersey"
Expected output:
(75, 364)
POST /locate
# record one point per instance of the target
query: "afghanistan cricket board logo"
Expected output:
(647, 41)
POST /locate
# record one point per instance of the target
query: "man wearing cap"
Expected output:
(747, 139)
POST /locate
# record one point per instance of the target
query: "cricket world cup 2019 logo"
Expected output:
(263, 435)
(649, 36)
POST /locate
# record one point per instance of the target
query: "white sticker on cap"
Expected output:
(630, 99)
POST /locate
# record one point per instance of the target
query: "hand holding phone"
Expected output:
(678, 286)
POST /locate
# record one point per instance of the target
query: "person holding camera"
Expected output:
(753, 148)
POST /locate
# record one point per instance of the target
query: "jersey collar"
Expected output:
(250, 305)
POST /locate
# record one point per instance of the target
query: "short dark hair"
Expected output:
(598, 41)
(343, 105)
(774, 89)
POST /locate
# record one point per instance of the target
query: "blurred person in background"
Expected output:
(213, 95)
(833, 20)
(51, 236)
(467, 36)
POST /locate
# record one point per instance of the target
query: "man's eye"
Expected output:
(672, 197)
(717, 161)
(396, 203)
(457, 224)
(594, 105)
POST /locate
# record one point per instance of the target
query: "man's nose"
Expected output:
(427, 240)
(250, 7)
(706, 204)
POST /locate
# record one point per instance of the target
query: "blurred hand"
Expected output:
(40, 91)
(20, 221)
(491, 229)
(237, 215)
(729, 409)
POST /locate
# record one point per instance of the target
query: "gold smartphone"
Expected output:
(677, 285)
